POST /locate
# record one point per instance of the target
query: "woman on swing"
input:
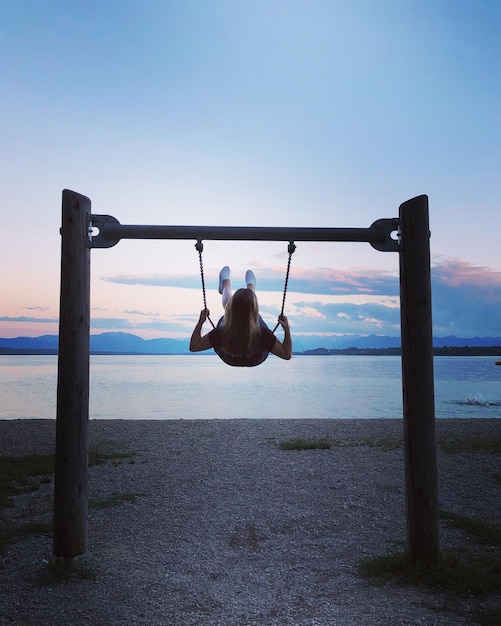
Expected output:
(241, 337)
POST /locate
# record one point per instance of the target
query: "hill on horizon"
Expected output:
(128, 343)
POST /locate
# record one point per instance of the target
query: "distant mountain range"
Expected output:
(127, 343)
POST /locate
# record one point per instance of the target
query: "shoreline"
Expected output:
(465, 350)
(16, 433)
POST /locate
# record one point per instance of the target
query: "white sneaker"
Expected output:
(250, 278)
(224, 274)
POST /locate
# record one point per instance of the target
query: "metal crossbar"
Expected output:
(379, 234)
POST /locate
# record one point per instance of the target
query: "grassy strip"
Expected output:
(458, 574)
(386, 443)
(113, 500)
(24, 474)
(475, 528)
(99, 457)
(455, 445)
(9, 534)
(450, 445)
(305, 444)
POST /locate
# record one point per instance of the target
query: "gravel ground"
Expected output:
(228, 529)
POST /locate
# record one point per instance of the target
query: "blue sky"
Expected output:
(268, 113)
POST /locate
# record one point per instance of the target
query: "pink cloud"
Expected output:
(456, 273)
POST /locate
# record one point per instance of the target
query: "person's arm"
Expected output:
(283, 349)
(197, 342)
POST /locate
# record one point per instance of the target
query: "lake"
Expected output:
(202, 387)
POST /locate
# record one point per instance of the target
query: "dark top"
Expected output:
(266, 343)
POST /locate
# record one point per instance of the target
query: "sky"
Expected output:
(308, 113)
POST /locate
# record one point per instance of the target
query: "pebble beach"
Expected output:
(214, 524)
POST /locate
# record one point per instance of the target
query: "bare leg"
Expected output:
(225, 284)
(226, 291)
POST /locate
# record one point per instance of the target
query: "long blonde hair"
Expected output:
(240, 327)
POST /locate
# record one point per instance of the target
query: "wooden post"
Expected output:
(70, 490)
(417, 380)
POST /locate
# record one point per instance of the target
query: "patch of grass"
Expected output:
(305, 444)
(18, 474)
(461, 574)
(300, 443)
(458, 574)
(455, 445)
(475, 528)
(386, 443)
(113, 500)
(10, 533)
(24, 474)
(100, 457)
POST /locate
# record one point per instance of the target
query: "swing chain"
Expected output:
(199, 246)
(290, 249)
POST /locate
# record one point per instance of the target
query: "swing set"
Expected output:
(408, 235)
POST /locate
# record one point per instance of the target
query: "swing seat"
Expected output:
(237, 362)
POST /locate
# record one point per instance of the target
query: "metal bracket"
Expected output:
(388, 226)
(101, 240)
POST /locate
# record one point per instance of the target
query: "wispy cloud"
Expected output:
(155, 280)
(25, 319)
(313, 281)
(36, 308)
(466, 302)
(141, 313)
(335, 282)
(345, 318)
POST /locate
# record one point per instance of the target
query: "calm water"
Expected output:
(202, 387)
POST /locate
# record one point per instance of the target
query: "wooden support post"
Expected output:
(70, 491)
(417, 380)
